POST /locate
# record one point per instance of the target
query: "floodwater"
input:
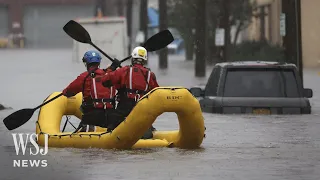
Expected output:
(236, 147)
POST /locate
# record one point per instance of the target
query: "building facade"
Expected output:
(265, 23)
(310, 28)
(40, 22)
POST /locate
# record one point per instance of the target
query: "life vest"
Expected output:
(137, 83)
(101, 97)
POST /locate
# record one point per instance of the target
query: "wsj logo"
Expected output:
(21, 143)
(174, 97)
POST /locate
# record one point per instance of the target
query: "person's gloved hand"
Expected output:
(67, 94)
(116, 63)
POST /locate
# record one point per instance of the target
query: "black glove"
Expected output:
(116, 63)
(67, 93)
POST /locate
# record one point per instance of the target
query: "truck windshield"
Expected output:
(260, 82)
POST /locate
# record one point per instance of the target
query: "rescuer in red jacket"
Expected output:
(98, 101)
(132, 81)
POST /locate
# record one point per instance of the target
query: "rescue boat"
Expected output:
(127, 135)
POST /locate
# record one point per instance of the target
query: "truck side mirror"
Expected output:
(196, 91)
(307, 93)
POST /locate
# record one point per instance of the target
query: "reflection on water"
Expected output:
(236, 147)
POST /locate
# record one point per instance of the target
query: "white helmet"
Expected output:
(139, 52)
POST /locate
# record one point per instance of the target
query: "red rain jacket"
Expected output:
(136, 80)
(92, 88)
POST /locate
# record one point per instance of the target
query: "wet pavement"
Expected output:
(236, 147)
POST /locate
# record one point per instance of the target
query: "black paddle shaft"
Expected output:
(105, 54)
(156, 42)
(125, 59)
(48, 101)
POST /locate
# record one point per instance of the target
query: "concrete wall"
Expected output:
(310, 32)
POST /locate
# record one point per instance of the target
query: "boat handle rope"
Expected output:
(71, 134)
(67, 121)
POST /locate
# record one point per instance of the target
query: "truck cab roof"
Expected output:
(241, 64)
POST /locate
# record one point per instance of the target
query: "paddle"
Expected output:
(22, 116)
(77, 32)
(156, 42)
(80, 34)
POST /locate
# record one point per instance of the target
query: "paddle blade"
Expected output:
(159, 41)
(77, 32)
(18, 118)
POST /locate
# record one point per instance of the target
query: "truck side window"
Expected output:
(212, 84)
(291, 84)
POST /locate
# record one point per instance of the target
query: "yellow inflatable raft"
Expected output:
(127, 135)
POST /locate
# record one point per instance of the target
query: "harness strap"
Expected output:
(146, 78)
(103, 100)
(95, 100)
(136, 91)
(84, 81)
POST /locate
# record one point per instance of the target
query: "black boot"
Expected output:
(152, 128)
(148, 134)
(110, 128)
(85, 128)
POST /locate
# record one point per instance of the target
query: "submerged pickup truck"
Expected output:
(254, 87)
